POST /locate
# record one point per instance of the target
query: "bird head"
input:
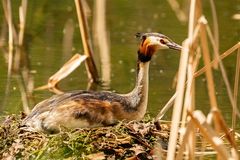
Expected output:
(151, 42)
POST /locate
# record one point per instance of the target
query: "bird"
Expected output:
(87, 109)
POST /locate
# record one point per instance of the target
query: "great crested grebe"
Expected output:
(79, 109)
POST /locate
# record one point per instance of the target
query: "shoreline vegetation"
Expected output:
(189, 134)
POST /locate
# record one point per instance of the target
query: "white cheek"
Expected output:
(162, 46)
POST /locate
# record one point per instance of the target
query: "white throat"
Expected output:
(139, 95)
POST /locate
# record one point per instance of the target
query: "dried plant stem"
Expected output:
(209, 134)
(184, 140)
(196, 74)
(215, 31)
(19, 50)
(22, 20)
(179, 100)
(224, 73)
(166, 107)
(178, 12)
(102, 41)
(235, 92)
(23, 92)
(224, 127)
(209, 75)
(91, 67)
(68, 39)
(222, 56)
(189, 101)
(63, 72)
(8, 15)
(191, 23)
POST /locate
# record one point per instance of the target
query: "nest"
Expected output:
(126, 140)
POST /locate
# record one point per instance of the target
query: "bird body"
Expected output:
(78, 109)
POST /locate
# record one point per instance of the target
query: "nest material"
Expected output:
(126, 140)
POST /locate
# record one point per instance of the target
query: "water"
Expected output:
(44, 45)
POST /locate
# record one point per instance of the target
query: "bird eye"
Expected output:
(144, 37)
(162, 41)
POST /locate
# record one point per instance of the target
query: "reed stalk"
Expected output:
(102, 42)
(225, 128)
(223, 71)
(8, 15)
(209, 134)
(90, 64)
(197, 74)
(192, 45)
(166, 107)
(189, 101)
(23, 92)
(68, 39)
(20, 36)
(63, 72)
(178, 101)
(178, 12)
(235, 91)
(22, 20)
(183, 144)
(188, 96)
(15, 51)
(222, 56)
(215, 31)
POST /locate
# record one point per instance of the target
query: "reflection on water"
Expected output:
(48, 47)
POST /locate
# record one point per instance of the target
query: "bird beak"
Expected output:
(174, 46)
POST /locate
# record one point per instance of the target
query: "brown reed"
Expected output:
(16, 53)
(63, 72)
(101, 40)
(194, 47)
(90, 64)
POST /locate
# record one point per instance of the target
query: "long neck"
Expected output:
(139, 95)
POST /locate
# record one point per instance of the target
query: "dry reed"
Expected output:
(16, 53)
(68, 39)
(77, 59)
(235, 92)
(101, 41)
(194, 47)
(8, 15)
(178, 101)
(63, 72)
(181, 15)
(90, 64)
